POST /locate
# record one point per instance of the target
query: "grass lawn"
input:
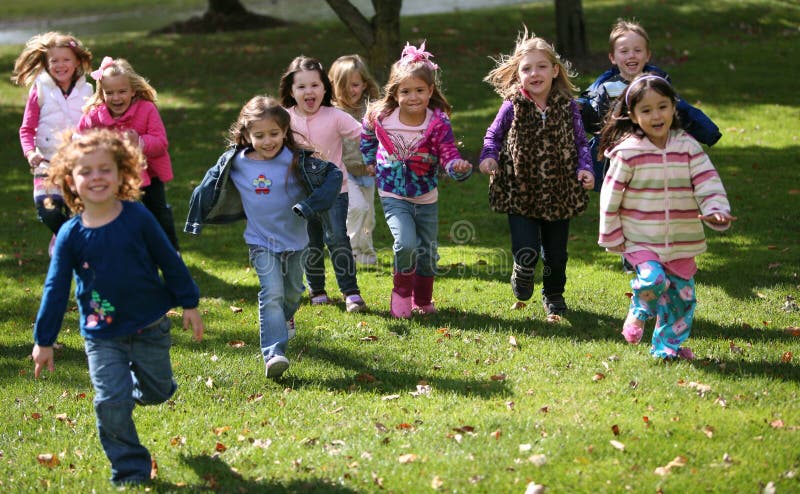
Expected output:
(478, 397)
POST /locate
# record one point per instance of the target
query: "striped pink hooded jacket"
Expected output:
(651, 197)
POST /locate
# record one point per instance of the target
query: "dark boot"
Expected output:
(522, 282)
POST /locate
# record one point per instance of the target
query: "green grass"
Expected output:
(334, 423)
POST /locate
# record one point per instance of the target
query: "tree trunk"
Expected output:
(379, 36)
(226, 7)
(571, 39)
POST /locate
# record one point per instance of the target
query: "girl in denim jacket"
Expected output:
(268, 179)
(406, 135)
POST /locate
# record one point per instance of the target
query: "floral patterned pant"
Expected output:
(668, 298)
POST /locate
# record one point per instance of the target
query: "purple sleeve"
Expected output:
(584, 156)
(496, 133)
(30, 120)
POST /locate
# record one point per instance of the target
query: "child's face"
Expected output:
(355, 88)
(95, 178)
(61, 65)
(266, 137)
(308, 91)
(536, 74)
(117, 93)
(630, 55)
(654, 114)
(413, 95)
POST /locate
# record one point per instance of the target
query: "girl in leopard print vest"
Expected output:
(538, 160)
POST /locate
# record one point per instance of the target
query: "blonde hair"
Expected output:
(340, 72)
(401, 70)
(504, 76)
(126, 155)
(33, 58)
(621, 28)
(119, 66)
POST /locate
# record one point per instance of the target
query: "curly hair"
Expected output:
(33, 58)
(126, 155)
(140, 86)
(504, 76)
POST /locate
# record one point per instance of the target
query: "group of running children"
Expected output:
(303, 167)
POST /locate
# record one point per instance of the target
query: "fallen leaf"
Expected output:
(534, 488)
(553, 318)
(598, 377)
(221, 430)
(177, 441)
(539, 460)
(776, 424)
(236, 343)
(407, 458)
(679, 461)
(512, 341)
(235, 309)
(498, 377)
(792, 330)
(209, 382)
(262, 443)
(36, 415)
(615, 429)
(422, 389)
(518, 305)
(220, 447)
(618, 445)
(48, 459)
(390, 397)
(369, 338)
(708, 431)
(786, 357)
(436, 482)
(365, 378)
(496, 434)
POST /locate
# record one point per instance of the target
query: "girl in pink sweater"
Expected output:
(53, 65)
(124, 101)
(660, 189)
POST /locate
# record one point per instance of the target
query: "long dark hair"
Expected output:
(618, 124)
(300, 64)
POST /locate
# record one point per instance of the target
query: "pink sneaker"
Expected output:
(424, 309)
(320, 299)
(632, 331)
(686, 353)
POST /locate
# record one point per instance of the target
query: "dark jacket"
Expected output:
(598, 98)
(216, 200)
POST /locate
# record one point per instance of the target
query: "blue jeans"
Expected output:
(126, 371)
(332, 233)
(529, 236)
(281, 278)
(415, 228)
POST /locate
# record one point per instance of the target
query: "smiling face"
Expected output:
(355, 88)
(117, 93)
(413, 95)
(630, 55)
(308, 91)
(536, 74)
(267, 138)
(654, 113)
(95, 178)
(61, 65)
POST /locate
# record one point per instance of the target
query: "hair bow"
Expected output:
(106, 63)
(413, 54)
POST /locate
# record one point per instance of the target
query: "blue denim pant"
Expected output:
(529, 236)
(281, 278)
(415, 228)
(332, 233)
(50, 205)
(126, 371)
(668, 298)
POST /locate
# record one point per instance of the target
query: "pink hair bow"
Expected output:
(413, 54)
(106, 63)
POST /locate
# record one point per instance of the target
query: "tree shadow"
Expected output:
(218, 476)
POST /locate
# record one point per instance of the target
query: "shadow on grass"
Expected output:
(218, 476)
(71, 368)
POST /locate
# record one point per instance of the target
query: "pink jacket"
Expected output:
(142, 116)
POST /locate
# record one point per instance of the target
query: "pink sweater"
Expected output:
(143, 117)
(323, 132)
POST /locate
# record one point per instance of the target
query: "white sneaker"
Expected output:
(277, 365)
(290, 329)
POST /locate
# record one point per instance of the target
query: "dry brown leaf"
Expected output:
(792, 330)
(615, 429)
(236, 343)
(177, 441)
(678, 461)
(598, 377)
(407, 458)
(618, 445)
(48, 459)
(708, 431)
(390, 397)
(553, 318)
(365, 378)
(776, 424)
(518, 305)
(369, 338)
(436, 483)
(496, 434)
(539, 460)
(786, 357)
(512, 341)
(210, 382)
(220, 447)
(498, 377)
(235, 309)
(534, 488)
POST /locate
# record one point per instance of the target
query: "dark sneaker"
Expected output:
(522, 282)
(554, 305)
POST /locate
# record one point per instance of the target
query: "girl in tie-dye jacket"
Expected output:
(660, 189)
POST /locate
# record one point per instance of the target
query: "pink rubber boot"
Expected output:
(401, 295)
(423, 295)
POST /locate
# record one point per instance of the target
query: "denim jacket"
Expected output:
(216, 200)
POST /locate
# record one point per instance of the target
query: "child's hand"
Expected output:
(133, 136)
(42, 356)
(720, 219)
(461, 166)
(371, 170)
(488, 166)
(586, 179)
(191, 318)
(34, 159)
(616, 248)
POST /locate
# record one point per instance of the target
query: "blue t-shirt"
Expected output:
(269, 189)
(117, 282)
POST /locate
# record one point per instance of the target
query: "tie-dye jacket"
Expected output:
(411, 172)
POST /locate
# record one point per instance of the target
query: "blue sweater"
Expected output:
(117, 282)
